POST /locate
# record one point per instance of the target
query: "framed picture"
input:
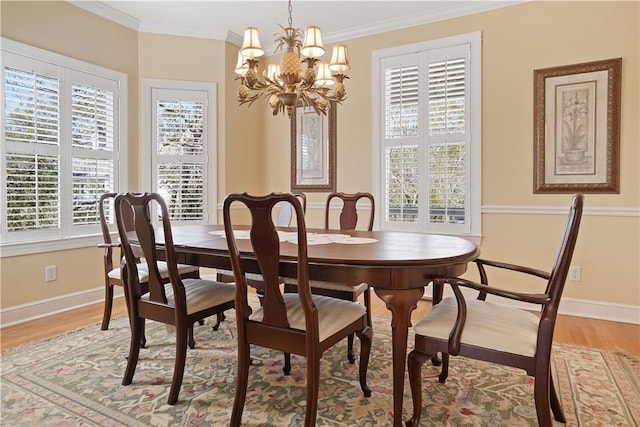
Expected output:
(577, 128)
(313, 150)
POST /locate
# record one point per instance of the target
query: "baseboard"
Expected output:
(613, 312)
(47, 307)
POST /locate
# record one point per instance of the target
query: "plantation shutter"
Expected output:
(180, 135)
(425, 162)
(31, 169)
(93, 148)
(448, 137)
(401, 139)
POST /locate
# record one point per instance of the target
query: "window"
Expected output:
(427, 136)
(61, 130)
(180, 123)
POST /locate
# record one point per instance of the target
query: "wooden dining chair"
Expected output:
(112, 272)
(348, 220)
(497, 333)
(179, 303)
(283, 215)
(299, 323)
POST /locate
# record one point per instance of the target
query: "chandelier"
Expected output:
(286, 85)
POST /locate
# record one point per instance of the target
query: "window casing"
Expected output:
(427, 136)
(179, 120)
(62, 127)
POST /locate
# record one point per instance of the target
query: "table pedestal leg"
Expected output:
(401, 302)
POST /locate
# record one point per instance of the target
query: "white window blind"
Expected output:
(32, 138)
(429, 160)
(181, 152)
(61, 143)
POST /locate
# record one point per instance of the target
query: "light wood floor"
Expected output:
(569, 329)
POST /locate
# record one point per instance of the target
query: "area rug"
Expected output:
(75, 380)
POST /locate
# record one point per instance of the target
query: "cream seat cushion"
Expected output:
(488, 325)
(334, 286)
(143, 271)
(201, 294)
(333, 314)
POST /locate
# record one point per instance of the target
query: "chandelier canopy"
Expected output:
(285, 86)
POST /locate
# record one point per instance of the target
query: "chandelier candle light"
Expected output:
(285, 86)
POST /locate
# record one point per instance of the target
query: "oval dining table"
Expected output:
(398, 265)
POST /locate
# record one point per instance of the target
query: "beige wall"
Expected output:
(253, 151)
(68, 30)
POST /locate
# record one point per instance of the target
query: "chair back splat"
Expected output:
(349, 213)
(499, 333)
(299, 323)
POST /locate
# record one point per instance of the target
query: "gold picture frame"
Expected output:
(313, 150)
(577, 128)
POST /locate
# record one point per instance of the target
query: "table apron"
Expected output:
(388, 277)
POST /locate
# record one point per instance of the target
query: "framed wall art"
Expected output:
(313, 150)
(577, 128)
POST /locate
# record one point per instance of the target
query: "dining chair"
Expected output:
(299, 323)
(497, 333)
(348, 220)
(113, 273)
(283, 216)
(180, 302)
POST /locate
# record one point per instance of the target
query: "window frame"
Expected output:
(474, 41)
(65, 236)
(148, 163)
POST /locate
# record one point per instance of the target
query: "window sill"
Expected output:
(36, 247)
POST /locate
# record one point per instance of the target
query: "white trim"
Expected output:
(38, 247)
(553, 210)
(453, 10)
(50, 306)
(25, 312)
(102, 9)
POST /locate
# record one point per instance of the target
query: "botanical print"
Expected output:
(577, 128)
(574, 123)
(311, 146)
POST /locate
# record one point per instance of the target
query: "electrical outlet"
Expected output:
(50, 273)
(575, 273)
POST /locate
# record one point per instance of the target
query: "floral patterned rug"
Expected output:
(75, 379)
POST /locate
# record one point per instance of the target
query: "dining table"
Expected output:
(397, 265)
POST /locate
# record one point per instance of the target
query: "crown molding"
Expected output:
(454, 9)
(104, 10)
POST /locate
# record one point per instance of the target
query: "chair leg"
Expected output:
(556, 405)
(365, 351)
(178, 369)
(108, 305)
(287, 364)
(137, 326)
(313, 388)
(541, 395)
(244, 359)
(350, 356)
(191, 342)
(219, 319)
(444, 373)
(414, 362)
(143, 337)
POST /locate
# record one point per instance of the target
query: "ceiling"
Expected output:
(226, 20)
